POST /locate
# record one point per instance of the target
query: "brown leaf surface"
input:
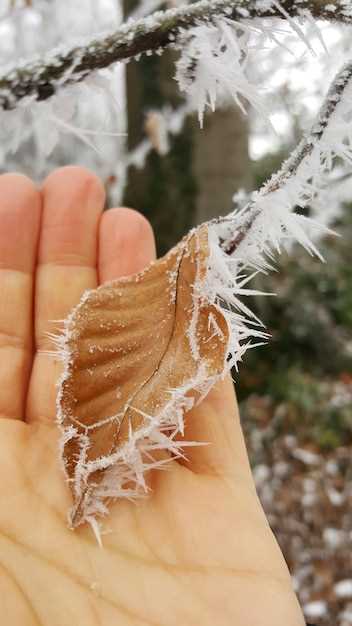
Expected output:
(128, 344)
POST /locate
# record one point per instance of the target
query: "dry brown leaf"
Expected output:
(128, 346)
(155, 128)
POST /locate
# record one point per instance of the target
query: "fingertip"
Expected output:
(18, 182)
(126, 243)
(19, 195)
(81, 179)
(73, 201)
(20, 213)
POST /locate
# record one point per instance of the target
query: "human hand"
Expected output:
(198, 551)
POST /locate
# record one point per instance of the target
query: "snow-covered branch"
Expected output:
(41, 78)
(301, 176)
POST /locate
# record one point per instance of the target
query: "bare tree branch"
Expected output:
(41, 78)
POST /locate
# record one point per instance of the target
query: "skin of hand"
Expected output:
(198, 551)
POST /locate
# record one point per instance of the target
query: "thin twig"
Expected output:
(41, 78)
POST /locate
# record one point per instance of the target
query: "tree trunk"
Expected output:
(221, 162)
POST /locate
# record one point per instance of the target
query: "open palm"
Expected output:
(198, 551)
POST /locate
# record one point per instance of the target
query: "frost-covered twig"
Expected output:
(41, 78)
(303, 165)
